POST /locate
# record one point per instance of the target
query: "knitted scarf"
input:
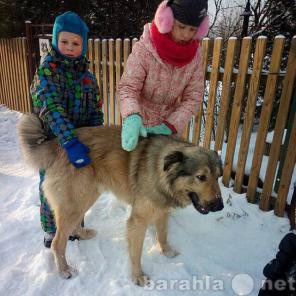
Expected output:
(170, 51)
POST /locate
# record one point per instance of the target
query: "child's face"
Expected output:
(182, 33)
(70, 44)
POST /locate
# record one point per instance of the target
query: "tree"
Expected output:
(106, 19)
(274, 17)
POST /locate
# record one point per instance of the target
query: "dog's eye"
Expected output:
(201, 177)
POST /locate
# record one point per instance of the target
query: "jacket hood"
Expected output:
(70, 22)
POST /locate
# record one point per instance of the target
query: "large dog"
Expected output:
(160, 174)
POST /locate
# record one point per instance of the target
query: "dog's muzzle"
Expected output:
(217, 205)
(195, 201)
(214, 206)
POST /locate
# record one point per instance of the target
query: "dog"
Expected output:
(162, 173)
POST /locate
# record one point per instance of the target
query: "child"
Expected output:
(162, 85)
(281, 271)
(65, 96)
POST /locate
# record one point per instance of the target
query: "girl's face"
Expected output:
(182, 33)
(70, 44)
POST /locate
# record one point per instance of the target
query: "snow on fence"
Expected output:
(107, 62)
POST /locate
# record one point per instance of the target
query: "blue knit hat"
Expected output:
(69, 22)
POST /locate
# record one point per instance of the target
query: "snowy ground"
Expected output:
(221, 254)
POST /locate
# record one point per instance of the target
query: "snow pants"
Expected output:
(46, 214)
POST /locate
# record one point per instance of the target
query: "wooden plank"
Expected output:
(105, 82)
(225, 96)
(134, 41)
(286, 174)
(288, 86)
(198, 118)
(185, 134)
(212, 92)
(250, 112)
(7, 74)
(91, 55)
(2, 95)
(97, 53)
(3, 73)
(10, 72)
(126, 50)
(111, 83)
(236, 109)
(16, 80)
(269, 94)
(197, 125)
(26, 76)
(13, 72)
(20, 75)
(118, 47)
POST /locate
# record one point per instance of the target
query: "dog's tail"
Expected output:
(36, 151)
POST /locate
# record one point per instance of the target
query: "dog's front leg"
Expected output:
(136, 229)
(161, 224)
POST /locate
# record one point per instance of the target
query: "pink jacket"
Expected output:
(159, 91)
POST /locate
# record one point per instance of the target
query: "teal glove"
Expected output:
(161, 129)
(132, 128)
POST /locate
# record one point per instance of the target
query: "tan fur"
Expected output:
(161, 173)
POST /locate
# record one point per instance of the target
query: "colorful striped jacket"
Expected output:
(65, 96)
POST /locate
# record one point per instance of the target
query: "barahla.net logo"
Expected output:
(241, 284)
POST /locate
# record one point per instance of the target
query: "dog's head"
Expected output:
(193, 177)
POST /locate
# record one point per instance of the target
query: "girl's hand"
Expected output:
(132, 128)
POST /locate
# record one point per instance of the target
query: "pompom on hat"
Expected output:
(188, 12)
(69, 22)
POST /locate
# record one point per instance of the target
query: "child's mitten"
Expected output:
(132, 128)
(77, 153)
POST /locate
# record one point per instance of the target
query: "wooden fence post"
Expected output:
(288, 86)
(198, 117)
(212, 92)
(287, 172)
(30, 58)
(118, 70)
(270, 89)
(226, 89)
(236, 108)
(250, 112)
(105, 81)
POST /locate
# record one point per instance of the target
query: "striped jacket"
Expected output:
(65, 96)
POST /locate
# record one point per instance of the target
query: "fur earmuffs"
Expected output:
(164, 20)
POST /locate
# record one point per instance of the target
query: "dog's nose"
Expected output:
(217, 205)
(220, 205)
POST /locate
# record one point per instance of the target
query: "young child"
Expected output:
(65, 96)
(163, 84)
(280, 272)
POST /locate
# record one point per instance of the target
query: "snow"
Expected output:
(221, 253)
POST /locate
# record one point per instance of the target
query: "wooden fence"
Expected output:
(14, 79)
(107, 62)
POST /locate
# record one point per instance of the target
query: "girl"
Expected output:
(163, 84)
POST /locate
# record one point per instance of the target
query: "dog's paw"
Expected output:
(86, 233)
(140, 279)
(170, 252)
(70, 272)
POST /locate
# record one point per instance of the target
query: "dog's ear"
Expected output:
(169, 160)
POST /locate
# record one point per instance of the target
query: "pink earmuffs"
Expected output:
(164, 20)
